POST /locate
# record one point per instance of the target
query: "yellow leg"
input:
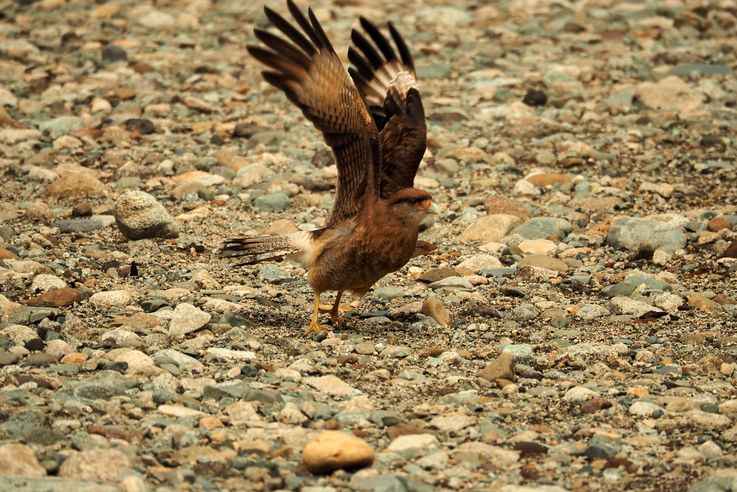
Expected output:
(335, 311)
(315, 326)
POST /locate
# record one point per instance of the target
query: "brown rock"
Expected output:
(549, 179)
(19, 459)
(436, 274)
(496, 204)
(724, 299)
(595, 404)
(6, 254)
(95, 464)
(335, 450)
(500, 368)
(731, 251)
(718, 223)
(74, 358)
(595, 203)
(701, 303)
(544, 261)
(56, 298)
(395, 431)
(434, 308)
(74, 184)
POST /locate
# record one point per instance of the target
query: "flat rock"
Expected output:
(95, 464)
(56, 298)
(76, 184)
(186, 319)
(413, 441)
(671, 93)
(331, 385)
(490, 228)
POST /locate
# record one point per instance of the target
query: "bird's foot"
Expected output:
(315, 327)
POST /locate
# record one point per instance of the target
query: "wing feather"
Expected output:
(311, 75)
(389, 86)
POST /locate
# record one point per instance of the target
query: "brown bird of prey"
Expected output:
(372, 118)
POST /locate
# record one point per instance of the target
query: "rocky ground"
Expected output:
(576, 328)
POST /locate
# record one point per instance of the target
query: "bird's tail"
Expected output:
(263, 248)
(254, 248)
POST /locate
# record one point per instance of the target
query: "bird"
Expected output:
(373, 119)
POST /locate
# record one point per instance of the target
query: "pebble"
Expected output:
(645, 409)
(544, 228)
(139, 216)
(501, 367)
(434, 308)
(579, 394)
(490, 228)
(412, 442)
(335, 450)
(331, 385)
(19, 459)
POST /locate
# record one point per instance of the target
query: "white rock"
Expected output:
(579, 394)
(186, 319)
(111, 298)
(626, 305)
(476, 263)
(228, 354)
(645, 409)
(452, 422)
(179, 411)
(138, 363)
(331, 385)
(413, 441)
(44, 282)
(537, 246)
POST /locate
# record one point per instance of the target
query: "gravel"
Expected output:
(576, 328)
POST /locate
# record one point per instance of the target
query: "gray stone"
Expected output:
(646, 235)
(61, 125)
(389, 292)
(544, 228)
(272, 274)
(139, 216)
(272, 202)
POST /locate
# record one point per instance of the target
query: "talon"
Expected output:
(337, 319)
(315, 327)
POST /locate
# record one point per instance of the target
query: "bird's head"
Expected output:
(413, 203)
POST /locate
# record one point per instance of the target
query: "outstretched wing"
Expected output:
(389, 85)
(311, 75)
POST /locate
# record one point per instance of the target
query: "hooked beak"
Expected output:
(431, 208)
